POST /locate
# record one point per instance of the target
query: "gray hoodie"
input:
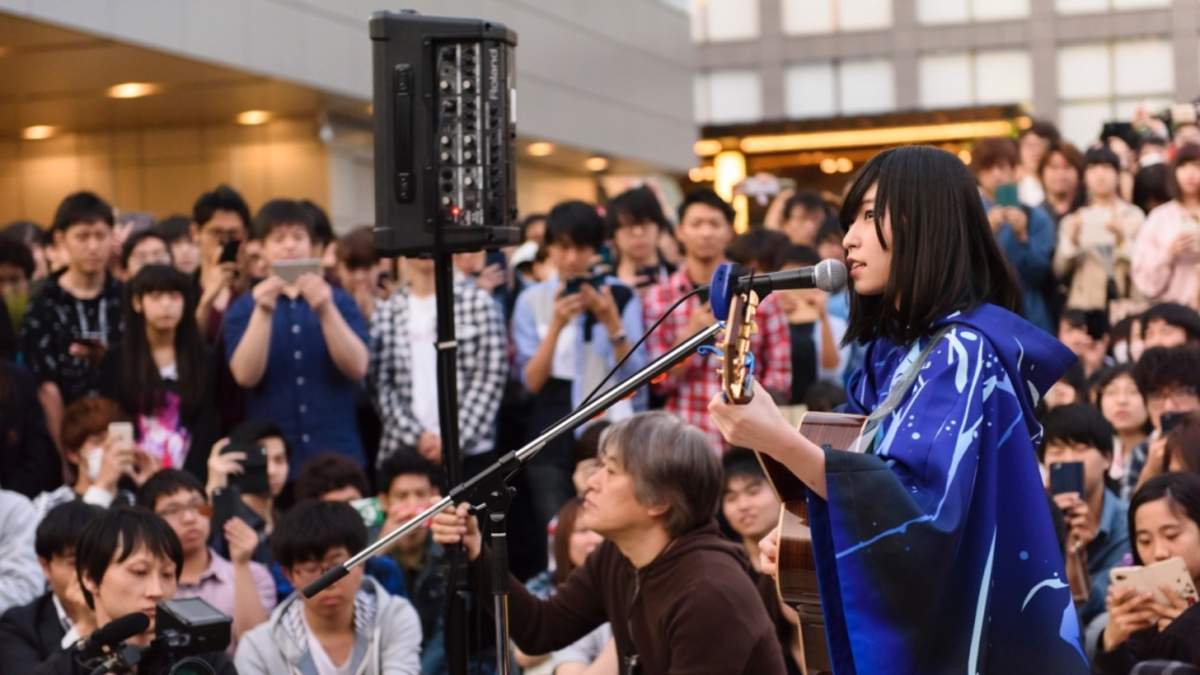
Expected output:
(387, 638)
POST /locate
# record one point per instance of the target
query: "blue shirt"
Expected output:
(1031, 260)
(1108, 550)
(302, 389)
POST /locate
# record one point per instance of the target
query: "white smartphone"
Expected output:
(1171, 573)
(121, 432)
(291, 270)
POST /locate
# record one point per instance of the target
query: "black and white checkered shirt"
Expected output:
(482, 370)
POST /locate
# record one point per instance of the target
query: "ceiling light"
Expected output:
(540, 149)
(965, 156)
(696, 174)
(596, 163)
(252, 117)
(829, 165)
(38, 132)
(844, 165)
(132, 90)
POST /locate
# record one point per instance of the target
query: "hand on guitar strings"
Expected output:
(758, 425)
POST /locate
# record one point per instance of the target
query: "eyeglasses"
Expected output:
(201, 507)
(309, 570)
(1176, 395)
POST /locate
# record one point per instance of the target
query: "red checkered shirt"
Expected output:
(692, 384)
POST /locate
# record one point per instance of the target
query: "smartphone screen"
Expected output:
(229, 251)
(291, 270)
(1006, 195)
(1168, 420)
(1066, 477)
(120, 432)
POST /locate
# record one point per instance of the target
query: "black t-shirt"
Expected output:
(804, 360)
(56, 319)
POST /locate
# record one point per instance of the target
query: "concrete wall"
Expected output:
(612, 77)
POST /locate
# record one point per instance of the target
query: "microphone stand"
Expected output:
(489, 490)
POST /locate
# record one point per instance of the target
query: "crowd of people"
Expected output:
(185, 416)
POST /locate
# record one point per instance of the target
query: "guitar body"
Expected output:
(797, 577)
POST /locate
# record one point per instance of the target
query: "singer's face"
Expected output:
(136, 584)
(869, 262)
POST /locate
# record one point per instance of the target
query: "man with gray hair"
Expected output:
(678, 595)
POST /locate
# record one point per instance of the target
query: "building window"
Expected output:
(1097, 6)
(934, 12)
(724, 20)
(846, 88)
(810, 91)
(962, 79)
(1099, 82)
(727, 97)
(815, 17)
(866, 86)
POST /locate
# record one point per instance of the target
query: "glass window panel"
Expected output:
(1084, 71)
(1143, 67)
(1080, 123)
(731, 19)
(734, 96)
(864, 14)
(995, 10)
(942, 11)
(1003, 77)
(1080, 6)
(944, 80)
(866, 86)
(808, 17)
(809, 90)
(1139, 4)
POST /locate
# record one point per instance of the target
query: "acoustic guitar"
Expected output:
(796, 581)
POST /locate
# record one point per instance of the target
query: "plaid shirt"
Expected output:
(692, 384)
(482, 370)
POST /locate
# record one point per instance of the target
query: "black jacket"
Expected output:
(1180, 641)
(29, 634)
(64, 663)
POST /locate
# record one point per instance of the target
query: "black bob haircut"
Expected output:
(222, 198)
(944, 255)
(174, 227)
(1105, 377)
(253, 430)
(1182, 492)
(322, 229)
(280, 212)
(164, 483)
(117, 534)
(327, 472)
(1076, 423)
(81, 207)
(742, 463)
(312, 528)
(576, 222)
(1174, 314)
(138, 237)
(808, 201)
(59, 531)
(805, 256)
(707, 197)
(635, 205)
(408, 463)
(1165, 367)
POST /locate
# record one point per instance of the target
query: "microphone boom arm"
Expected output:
(478, 489)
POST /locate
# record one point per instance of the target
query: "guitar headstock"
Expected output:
(739, 326)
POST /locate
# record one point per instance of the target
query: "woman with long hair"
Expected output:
(934, 546)
(162, 373)
(1166, 255)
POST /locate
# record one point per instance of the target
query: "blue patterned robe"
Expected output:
(935, 552)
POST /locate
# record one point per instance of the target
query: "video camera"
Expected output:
(185, 628)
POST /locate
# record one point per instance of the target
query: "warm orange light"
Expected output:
(925, 133)
(253, 117)
(38, 132)
(706, 147)
(540, 149)
(596, 163)
(132, 90)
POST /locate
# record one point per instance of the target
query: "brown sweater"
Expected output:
(693, 610)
